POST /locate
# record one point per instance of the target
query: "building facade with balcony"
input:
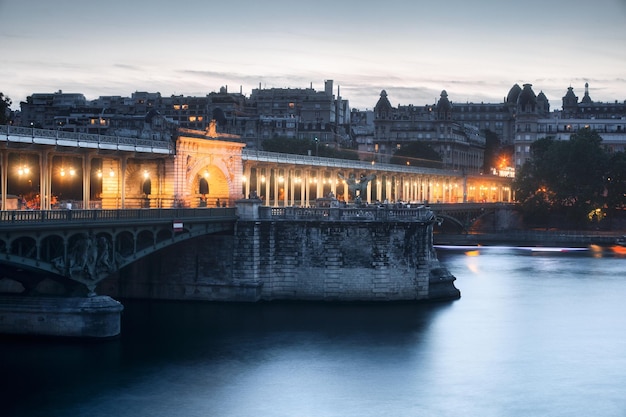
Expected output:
(460, 145)
(535, 121)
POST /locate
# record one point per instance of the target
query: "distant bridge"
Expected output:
(464, 216)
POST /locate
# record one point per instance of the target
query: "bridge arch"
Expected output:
(217, 183)
(85, 246)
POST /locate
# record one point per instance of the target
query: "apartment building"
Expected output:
(460, 144)
(535, 121)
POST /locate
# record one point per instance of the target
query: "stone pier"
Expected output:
(83, 317)
(333, 254)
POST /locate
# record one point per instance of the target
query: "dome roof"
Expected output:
(383, 102)
(570, 94)
(444, 104)
(541, 97)
(527, 97)
(586, 98)
(513, 94)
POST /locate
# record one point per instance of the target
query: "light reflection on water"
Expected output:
(535, 333)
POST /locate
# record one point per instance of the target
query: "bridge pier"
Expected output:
(84, 317)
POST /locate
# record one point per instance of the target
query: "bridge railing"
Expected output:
(76, 139)
(14, 218)
(377, 213)
(341, 164)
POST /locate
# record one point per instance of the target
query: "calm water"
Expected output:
(534, 334)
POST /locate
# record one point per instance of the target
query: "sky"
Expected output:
(413, 49)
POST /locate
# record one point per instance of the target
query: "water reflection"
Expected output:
(535, 333)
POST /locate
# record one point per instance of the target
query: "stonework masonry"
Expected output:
(294, 260)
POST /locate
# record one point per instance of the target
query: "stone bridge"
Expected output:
(86, 246)
(465, 216)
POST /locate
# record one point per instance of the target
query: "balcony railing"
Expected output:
(13, 218)
(377, 213)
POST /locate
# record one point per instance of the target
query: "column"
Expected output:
(285, 178)
(333, 182)
(246, 173)
(292, 187)
(86, 167)
(304, 188)
(124, 163)
(4, 169)
(45, 189)
(267, 175)
(275, 184)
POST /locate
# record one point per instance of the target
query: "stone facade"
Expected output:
(321, 260)
(83, 317)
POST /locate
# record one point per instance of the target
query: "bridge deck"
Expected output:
(26, 219)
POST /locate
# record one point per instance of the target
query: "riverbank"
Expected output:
(531, 238)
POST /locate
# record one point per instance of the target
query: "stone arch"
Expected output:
(136, 182)
(52, 247)
(24, 246)
(215, 174)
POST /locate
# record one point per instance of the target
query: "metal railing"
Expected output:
(14, 218)
(305, 160)
(21, 134)
(369, 213)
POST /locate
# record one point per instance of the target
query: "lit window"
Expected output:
(176, 106)
(192, 118)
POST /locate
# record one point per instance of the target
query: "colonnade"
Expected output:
(296, 185)
(203, 172)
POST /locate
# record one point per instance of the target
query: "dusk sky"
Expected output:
(413, 49)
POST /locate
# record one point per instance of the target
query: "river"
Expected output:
(534, 334)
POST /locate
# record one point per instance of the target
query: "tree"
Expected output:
(5, 109)
(616, 181)
(417, 154)
(565, 178)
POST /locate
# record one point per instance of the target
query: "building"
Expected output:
(456, 130)
(460, 144)
(535, 121)
(302, 113)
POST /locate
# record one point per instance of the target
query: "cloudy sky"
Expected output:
(413, 49)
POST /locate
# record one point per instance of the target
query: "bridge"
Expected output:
(45, 169)
(78, 208)
(86, 246)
